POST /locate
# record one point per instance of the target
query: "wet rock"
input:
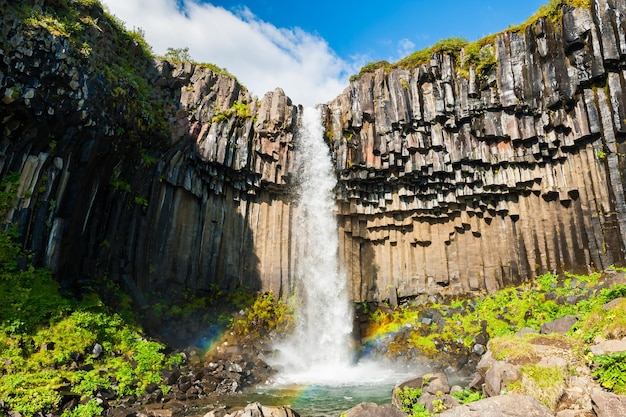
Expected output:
(434, 384)
(374, 410)
(258, 410)
(121, 411)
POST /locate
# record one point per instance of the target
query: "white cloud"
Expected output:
(259, 54)
(405, 47)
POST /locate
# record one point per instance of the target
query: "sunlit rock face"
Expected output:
(171, 178)
(453, 184)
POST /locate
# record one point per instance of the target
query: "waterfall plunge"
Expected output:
(320, 348)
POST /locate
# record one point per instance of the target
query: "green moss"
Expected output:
(451, 46)
(240, 109)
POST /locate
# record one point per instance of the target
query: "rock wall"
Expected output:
(165, 178)
(453, 184)
(169, 178)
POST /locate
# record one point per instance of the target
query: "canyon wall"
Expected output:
(454, 184)
(170, 178)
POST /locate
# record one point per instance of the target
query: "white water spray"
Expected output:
(320, 348)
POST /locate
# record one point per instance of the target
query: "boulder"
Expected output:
(561, 325)
(374, 410)
(498, 376)
(606, 404)
(603, 347)
(434, 384)
(512, 405)
(258, 410)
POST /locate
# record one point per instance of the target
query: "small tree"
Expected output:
(178, 54)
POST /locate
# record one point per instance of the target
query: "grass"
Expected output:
(545, 383)
(515, 350)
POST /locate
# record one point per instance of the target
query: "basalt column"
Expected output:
(453, 183)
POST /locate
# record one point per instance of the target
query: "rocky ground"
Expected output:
(544, 372)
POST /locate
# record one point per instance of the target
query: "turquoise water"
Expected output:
(325, 400)
(309, 400)
(317, 395)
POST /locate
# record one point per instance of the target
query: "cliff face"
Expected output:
(168, 178)
(165, 178)
(455, 184)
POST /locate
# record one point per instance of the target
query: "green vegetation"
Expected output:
(552, 11)
(178, 54)
(409, 398)
(611, 372)
(266, 314)
(601, 311)
(466, 396)
(52, 343)
(61, 19)
(481, 55)
(498, 314)
(450, 46)
(240, 109)
(545, 383)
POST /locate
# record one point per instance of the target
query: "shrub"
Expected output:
(178, 54)
(611, 372)
(266, 314)
(409, 398)
(467, 396)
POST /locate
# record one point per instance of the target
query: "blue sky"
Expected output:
(311, 48)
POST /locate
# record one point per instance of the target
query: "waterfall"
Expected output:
(320, 347)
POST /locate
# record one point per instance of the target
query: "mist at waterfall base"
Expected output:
(318, 361)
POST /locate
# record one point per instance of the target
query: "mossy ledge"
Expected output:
(480, 53)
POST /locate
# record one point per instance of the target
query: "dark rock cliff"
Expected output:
(165, 178)
(168, 178)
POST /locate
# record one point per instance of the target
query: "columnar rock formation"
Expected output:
(171, 182)
(455, 184)
(169, 178)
